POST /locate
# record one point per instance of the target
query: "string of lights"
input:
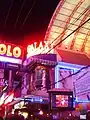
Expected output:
(28, 14)
(55, 39)
(8, 13)
(19, 13)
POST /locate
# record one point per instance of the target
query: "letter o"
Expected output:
(2, 49)
(17, 52)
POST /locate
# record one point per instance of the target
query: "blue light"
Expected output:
(41, 100)
(83, 101)
(34, 99)
(80, 101)
(73, 67)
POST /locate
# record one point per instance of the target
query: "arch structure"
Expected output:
(68, 16)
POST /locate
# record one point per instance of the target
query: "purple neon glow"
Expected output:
(64, 65)
(11, 60)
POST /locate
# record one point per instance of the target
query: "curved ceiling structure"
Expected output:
(68, 16)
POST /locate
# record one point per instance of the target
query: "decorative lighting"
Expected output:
(2, 99)
(9, 99)
(41, 100)
(32, 100)
(70, 114)
(41, 112)
(83, 101)
(77, 49)
(11, 60)
(40, 61)
(25, 114)
(13, 111)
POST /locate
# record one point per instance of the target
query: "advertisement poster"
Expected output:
(82, 84)
(65, 82)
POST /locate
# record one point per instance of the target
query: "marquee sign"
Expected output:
(10, 50)
(10, 53)
(42, 48)
(13, 54)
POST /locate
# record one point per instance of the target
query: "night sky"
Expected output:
(13, 26)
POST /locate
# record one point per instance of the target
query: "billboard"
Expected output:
(65, 82)
(82, 84)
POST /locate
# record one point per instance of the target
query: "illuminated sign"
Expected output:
(10, 53)
(42, 48)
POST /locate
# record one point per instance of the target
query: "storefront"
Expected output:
(39, 73)
(10, 62)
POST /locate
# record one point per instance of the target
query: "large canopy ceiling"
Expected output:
(68, 16)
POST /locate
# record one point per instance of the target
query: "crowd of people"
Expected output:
(20, 117)
(15, 117)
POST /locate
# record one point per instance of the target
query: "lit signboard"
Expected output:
(35, 49)
(10, 53)
(82, 84)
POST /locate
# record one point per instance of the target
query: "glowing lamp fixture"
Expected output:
(41, 100)
(32, 100)
(41, 112)
(25, 114)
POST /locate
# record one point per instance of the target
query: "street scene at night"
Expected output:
(45, 59)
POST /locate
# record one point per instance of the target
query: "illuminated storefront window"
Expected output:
(40, 77)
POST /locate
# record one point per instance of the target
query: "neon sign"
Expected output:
(42, 48)
(11, 51)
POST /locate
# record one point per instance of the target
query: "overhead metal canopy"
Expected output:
(68, 16)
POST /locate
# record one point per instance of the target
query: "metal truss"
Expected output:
(76, 33)
(54, 17)
(67, 21)
(85, 41)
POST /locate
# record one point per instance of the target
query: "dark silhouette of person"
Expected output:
(14, 117)
(1, 118)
